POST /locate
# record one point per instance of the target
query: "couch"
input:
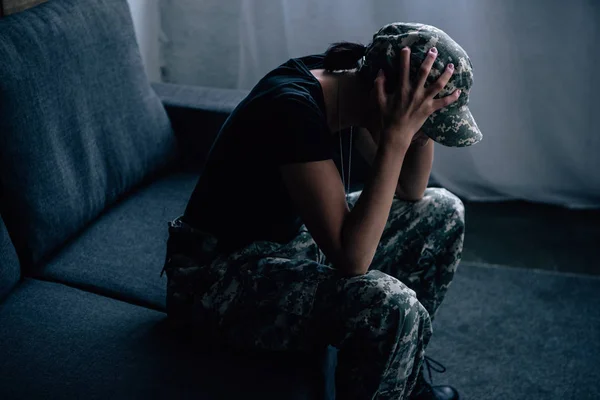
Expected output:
(94, 161)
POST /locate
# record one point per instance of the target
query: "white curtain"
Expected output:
(535, 96)
(146, 21)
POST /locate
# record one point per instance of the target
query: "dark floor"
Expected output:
(528, 235)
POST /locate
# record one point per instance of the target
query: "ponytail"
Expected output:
(343, 55)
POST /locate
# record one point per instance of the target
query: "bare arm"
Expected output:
(416, 168)
(415, 172)
(348, 239)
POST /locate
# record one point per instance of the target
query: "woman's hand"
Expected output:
(420, 139)
(404, 111)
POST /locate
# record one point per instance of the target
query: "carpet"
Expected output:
(511, 333)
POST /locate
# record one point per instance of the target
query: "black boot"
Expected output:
(425, 391)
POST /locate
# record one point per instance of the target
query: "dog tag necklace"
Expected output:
(320, 256)
(346, 184)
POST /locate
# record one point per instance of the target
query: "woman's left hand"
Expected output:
(420, 139)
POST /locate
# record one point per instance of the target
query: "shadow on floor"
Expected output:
(529, 235)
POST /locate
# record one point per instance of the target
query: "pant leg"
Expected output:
(381, 331)
(422, 244)
(258, 297)
(275, 297)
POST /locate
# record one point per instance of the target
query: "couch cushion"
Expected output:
(122, 253)
(79, 123)
(9, 263)
(63, 343)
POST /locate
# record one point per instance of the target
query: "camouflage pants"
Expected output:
(272, 296)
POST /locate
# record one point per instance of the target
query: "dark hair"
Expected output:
(343, 55)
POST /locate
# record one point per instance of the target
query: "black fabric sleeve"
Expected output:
(302, 132)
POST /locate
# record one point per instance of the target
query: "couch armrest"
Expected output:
(197, 113)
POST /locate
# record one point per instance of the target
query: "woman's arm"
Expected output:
(416, 168)
(349, 239)
(415, 172)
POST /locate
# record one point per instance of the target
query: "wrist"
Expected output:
(393, 149)
(397, 141)
(417, 146)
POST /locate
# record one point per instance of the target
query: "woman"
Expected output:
(272, 255)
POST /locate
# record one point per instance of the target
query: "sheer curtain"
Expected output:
(536, 87)
(146, 21)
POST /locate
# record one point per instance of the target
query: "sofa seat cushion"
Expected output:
(9, 263)
(121, 254)
(79, 122)
(60, 342)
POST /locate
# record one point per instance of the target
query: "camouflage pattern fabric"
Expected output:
(450, 126)
(287, 296)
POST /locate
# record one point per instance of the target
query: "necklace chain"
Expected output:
(320, 256)
(346, 184)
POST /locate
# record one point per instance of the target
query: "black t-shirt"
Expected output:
(240, 196)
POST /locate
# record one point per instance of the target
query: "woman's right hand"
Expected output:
(404, 111)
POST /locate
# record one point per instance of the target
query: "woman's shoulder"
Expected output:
(292, 71)
(288, 97)
(313, 61)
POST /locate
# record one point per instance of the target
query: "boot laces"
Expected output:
(434, 365)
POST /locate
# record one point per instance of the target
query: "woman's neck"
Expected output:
(344, 100)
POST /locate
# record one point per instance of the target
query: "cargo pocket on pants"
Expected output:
(276, 306)
(283, 285)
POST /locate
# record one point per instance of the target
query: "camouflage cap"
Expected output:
(450, 126)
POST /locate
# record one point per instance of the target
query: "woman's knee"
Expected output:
(445, 211)
(445, 202)
(381, 303)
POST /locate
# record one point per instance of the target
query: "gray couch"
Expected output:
(94, 161)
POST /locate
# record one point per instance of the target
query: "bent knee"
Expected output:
(443, 205)
(443, 199)
(378, 299)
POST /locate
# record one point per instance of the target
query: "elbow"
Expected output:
(412, 198)
(354, 254)
(410, 195)
(354, 266)
(357, 270)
